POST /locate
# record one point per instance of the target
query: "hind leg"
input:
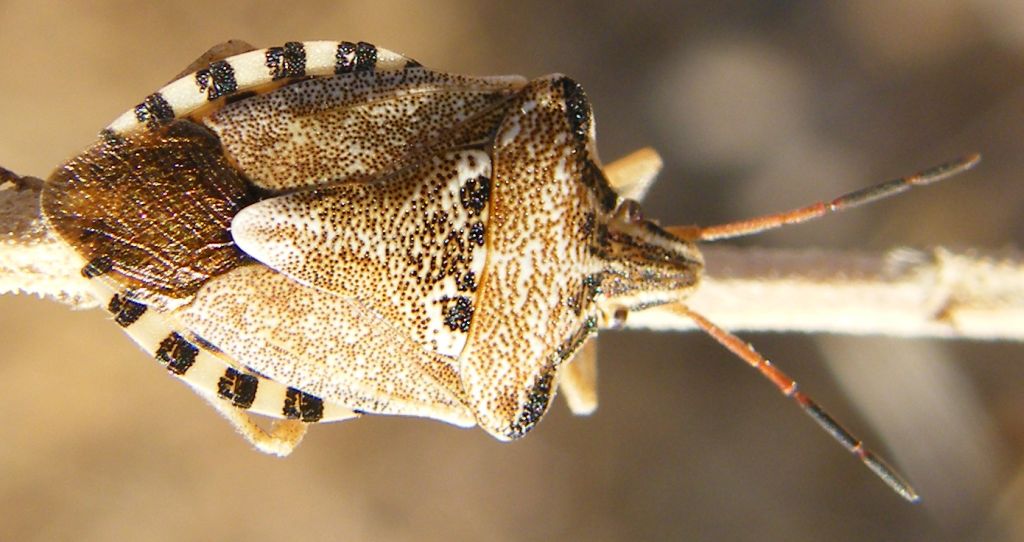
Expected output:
(280, 440)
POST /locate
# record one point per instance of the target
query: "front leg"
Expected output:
(577, 380)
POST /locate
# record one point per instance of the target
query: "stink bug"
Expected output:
(327, 229)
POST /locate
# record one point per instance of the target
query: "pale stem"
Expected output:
(910, 293)
(32, 261)
(903, 293)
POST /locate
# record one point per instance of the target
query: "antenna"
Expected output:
(821, 208)
(788, 387)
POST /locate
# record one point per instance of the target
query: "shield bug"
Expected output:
(322, 230)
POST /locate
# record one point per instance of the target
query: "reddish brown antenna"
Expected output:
(746, 352)
(788, 387)
(846, 201)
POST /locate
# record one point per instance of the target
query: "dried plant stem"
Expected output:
(936, 293)
(909, 293)
(32, 261)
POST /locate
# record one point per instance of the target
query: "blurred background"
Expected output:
(755, 106)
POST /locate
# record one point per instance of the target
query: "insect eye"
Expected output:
(577, 109)
(630, 212)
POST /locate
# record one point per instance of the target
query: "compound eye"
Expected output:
(630, 212)
(577, 109)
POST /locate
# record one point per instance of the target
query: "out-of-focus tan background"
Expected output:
(756, 107)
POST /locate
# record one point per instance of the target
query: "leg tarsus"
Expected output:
(283, 437)
(20, 182)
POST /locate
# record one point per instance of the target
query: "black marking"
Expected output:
(299, 405)
(239, 97)
(217, 80)
(458, 316)
(570, 346)
(239, 388)
(345, 58)
(592, 286)
(577, 108)
(287, 61)
(154, 110)
(538, 398)
(631, 212)
(467, 283)
(177, 353)
(584, 296)
(366, 57)
(594, 179)
(126, 311)
(587, 228)
(477, 233)
(204, 344)
(111, 137)
(355, 57)
(475, 194)
(97, 266)
(412, 64)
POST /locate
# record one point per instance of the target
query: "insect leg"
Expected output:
(283, 437)
(846, 201)
(577, 380)
(19, 182)
(633, 174)
(788, 388)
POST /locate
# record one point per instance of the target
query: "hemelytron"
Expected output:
(322, 230)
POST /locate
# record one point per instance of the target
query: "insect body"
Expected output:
(325, 229)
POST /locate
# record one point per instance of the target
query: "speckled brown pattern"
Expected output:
(402, 245)
(426, 244)
(547, 253)
(328, 345)
(350, 127)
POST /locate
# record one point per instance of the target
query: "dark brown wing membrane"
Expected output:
(153, 210)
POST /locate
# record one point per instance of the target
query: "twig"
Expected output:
(909, 293)
(32, 261)
(938, 293)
